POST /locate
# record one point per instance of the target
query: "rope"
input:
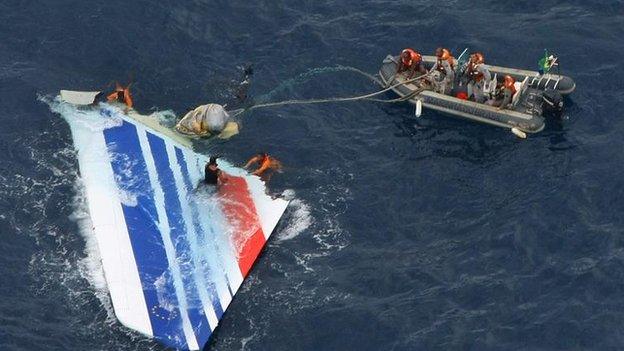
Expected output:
(369, 96)
(399, 99)
(304, 77)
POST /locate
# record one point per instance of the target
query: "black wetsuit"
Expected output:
(121, 97)
(211, 176)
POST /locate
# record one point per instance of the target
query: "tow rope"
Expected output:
(368, 97)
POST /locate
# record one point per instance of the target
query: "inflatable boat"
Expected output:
(173, 250)
(537, 96)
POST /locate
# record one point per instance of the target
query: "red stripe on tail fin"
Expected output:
(240, 212)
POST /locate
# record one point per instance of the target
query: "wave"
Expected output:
(299, 217)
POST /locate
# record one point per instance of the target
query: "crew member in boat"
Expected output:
(411, 61)
(478, 77)
(506, 92)
(445, 64)
(121, 95)
(212, 174)
(265, 163)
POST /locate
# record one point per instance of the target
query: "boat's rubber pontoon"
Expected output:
(525, 113)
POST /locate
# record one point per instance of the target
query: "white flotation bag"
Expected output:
(205, 119)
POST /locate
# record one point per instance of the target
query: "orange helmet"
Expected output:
(410, 56)
(417, 57)
(443, 53)
(477, 58)
(406, 53)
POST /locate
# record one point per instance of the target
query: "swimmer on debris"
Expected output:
(212, 174)
(266, 163)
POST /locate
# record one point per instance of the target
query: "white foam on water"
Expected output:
(87, 117)
(299, 219)
(167, 118)
(165, 299)
(128, 198)
(321, 225)
(255, 333)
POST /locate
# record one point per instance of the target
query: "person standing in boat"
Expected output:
(478, 77)
(212, 174)
(509, 90)
(445, 65)
(411, 61)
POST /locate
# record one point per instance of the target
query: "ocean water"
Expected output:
(403, 233)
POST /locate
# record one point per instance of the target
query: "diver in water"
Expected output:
(212, 174)
(445, 65)
(411, 61)
(478, 77)
(243, 86)
(266, 163)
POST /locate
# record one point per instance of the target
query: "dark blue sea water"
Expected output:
(404, 233)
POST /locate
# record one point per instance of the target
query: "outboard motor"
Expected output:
(552, 104)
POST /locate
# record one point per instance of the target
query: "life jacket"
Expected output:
(509, 84)
(265, 162)
(446, 56)
(414, 58)
(473, 72)
(121, 95)
(477, 57)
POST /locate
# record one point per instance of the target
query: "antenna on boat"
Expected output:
(462, 61)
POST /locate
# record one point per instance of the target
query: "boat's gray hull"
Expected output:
(522, 118)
